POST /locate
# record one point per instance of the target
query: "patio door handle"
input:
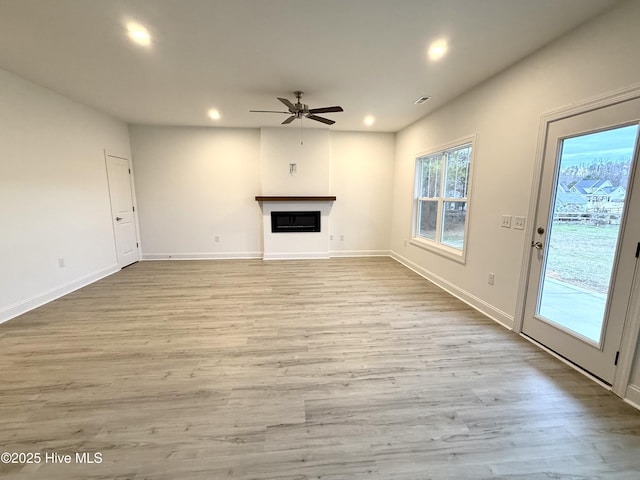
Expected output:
(537, 245)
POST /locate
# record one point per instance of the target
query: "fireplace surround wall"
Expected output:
(295, 244)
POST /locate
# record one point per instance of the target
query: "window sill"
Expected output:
(442, 250)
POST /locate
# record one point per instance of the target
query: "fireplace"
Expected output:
(288, 222)
(305, 218)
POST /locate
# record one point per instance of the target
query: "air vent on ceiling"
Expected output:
(421, 100)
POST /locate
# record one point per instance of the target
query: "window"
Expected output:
(441, 199)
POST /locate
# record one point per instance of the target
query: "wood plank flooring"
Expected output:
(336, 369)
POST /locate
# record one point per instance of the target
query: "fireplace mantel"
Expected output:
(281, 198)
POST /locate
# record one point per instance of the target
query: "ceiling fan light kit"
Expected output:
(300, 110)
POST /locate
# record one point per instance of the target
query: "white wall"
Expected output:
(504, 113)
(281, 146)
(54, 199)
(362, 181)
(195, 183)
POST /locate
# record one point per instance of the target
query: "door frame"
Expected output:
(631, 329)
(133, 200)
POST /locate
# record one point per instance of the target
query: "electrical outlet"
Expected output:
(331, 237)
(342, 238)
(491, 278)
(506, 221)
(61, 262)
(518, 223)
(217, 238)
(405, 243)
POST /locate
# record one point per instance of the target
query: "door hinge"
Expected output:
(615, 362)
(137, 245)
(134, 208)
(638, 250)
(129, 171)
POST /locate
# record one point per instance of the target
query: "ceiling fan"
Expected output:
(299, 110)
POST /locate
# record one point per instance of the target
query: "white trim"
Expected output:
(296, 256)
(629, 341)
(271, 256)
(633, 396)
(202, 256)
(478, 304)
(446, 146)
(359, 253)
(567, 362)
(525, 266)
(135, 205)
(112, 214)
(617, 96)
(40, 299)
(438, 249)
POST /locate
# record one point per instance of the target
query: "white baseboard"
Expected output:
(269, 256)
(483, 307)
(202, 256)
(632, 397)
(359, 253)
(296, 256)
(36, 301)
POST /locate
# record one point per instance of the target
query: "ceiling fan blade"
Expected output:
(290, 106)
(266, 111)
(320, 119)
(289, 120)
(326, 110)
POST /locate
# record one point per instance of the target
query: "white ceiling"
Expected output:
(234, 55)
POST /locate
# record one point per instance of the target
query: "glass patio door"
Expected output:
(583, 254)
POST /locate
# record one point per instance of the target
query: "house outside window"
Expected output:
(441, 206)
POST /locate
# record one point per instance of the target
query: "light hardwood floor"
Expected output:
(337, 369)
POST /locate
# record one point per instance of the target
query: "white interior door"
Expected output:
(584, 250)
(122, 210)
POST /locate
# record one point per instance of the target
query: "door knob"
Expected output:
(118, 219)
(537, 245)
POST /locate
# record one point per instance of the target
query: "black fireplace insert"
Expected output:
(287, 222)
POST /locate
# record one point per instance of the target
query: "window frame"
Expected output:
(436, 246)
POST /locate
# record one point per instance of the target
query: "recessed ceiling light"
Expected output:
(438, 49)
(369, 120)
(138, 34)
(214, 114)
